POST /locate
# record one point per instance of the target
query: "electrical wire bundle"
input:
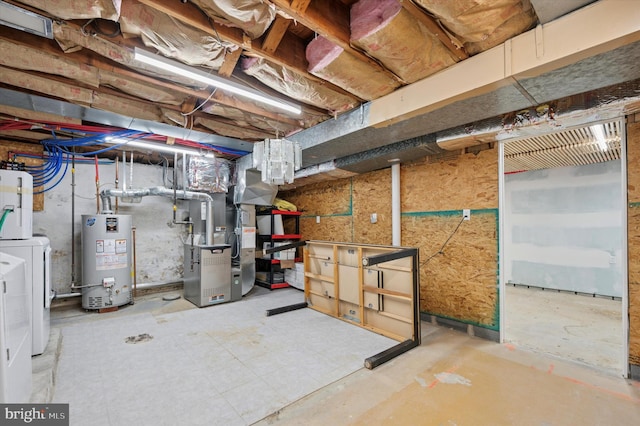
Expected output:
(59, 152)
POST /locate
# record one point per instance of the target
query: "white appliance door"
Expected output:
(48, 293)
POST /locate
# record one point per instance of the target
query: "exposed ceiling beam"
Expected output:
(230, 62)
(459, 53)
(276, 33)
(291, 53)
(86, 57)
(330, 19)
(300, 5)
(291, 57)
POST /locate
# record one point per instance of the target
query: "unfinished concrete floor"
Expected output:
(222, 365)
(455, 379)
(581, 328)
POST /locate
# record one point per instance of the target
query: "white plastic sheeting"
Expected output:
(297, 86)
(171, 37)
(79, 9)
(252, 16)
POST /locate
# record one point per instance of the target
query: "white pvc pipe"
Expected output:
(395, 204)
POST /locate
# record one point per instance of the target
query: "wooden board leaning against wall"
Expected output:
(633, 230)
(460, 284)
(14, 147)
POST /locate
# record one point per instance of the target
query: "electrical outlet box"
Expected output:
(466, 214)
(317, 219)
(374, 217)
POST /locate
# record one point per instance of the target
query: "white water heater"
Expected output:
(16, 205)
(106, 260)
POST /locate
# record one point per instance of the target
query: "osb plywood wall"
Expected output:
(372, 194)
(13, 147)
(328, 201)
(633, 181)
(344, 208)
(460, 284)
(467, 182)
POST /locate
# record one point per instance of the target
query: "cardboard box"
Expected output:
(264, 225)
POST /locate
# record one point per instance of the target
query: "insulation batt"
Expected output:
(78, 9)
(72, 40)
(296, 85)
(245, 119)
(330, 62)
(391, 34)
(171, 37)
(28, 58)
(252, 16)
(482, 24)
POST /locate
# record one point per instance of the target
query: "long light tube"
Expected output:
(152, 146)
(21, 19)
(598, 133)
(212, 80)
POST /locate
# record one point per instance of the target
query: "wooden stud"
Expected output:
(229, 64)
(276, 33)
(336, 279)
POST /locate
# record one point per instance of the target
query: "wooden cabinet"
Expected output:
(375, 287)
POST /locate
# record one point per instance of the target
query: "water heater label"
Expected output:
(121, 246)
(111, 254)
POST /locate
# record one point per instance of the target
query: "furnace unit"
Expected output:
(207, 275)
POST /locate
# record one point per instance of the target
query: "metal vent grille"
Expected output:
(567, 148)
(213, 259)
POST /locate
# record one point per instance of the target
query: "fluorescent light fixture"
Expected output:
(598, 133)
(24, 20)
(178, 68)
(172, 149)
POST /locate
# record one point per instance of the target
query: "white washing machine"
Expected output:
(15, 331)
(36, 253)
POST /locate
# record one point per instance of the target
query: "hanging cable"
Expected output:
(441, 251)
(184, 114)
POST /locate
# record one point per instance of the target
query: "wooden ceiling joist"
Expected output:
(276, 32)
(291, 52)
(86, 58)
(330, 20)
(230, 61)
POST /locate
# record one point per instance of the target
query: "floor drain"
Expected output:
(139, 338)
(171, 297)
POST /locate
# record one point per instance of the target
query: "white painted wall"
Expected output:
(563, 228)
(158, 242)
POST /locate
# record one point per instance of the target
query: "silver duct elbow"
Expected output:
(161, 191)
